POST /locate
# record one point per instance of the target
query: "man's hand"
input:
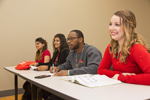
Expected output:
(62, 73)
(42, 68)
(56, 69)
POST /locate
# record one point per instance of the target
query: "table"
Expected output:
(22, 73)
(72, 91)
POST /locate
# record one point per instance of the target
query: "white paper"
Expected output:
(92, 80)
(50, 74)
(33, 67)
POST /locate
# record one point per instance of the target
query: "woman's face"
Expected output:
(116, 28)
(39, 46)
(57, 42)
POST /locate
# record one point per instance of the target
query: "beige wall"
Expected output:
(22, 21)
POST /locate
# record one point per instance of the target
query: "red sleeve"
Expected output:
(104, 67)
(142, 58)
(46, 53)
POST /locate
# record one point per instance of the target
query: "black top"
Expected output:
(61, 59)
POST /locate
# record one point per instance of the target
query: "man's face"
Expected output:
(73, 41)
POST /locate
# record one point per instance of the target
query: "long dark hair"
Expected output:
(63, 43)
(38, 54)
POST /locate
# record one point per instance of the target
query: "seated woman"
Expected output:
(60, 54)
(42, 56)
(127, 51)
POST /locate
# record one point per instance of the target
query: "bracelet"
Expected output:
(68, 73)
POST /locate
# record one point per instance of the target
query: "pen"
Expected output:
(53, 68)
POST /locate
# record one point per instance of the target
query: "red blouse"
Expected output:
(45, 53)
(138, 62)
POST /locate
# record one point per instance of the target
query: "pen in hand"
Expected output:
(53, 68)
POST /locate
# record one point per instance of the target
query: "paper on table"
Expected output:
(50, 74)
(92, 80)
(33, 67)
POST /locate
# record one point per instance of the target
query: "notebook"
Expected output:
(89, 80)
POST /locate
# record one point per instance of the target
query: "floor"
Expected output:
(11, 97)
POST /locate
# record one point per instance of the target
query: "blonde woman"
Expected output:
(127, 51)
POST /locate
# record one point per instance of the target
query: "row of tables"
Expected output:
(72, 91)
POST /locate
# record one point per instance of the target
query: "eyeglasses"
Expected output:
(71, 39)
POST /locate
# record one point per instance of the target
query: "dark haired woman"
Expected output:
(60, 54)
(42, 56)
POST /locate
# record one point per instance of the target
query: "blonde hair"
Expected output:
(131, 38)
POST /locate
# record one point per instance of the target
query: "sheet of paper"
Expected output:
(50, 74)
(33, 67)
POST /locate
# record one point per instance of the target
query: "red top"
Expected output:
(138, 62)
(45, 53)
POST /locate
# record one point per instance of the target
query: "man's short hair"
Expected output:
(79, 33)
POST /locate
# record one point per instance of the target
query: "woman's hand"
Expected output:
(128, 74)
(34, 64)
(42, 68)
(115, 76)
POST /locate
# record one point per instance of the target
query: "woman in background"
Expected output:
(127, 51)
(42, 56)
(60, 54)
(61, 51)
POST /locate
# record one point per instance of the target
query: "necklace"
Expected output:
(118, 55)
(76, 61)
(119, 50)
